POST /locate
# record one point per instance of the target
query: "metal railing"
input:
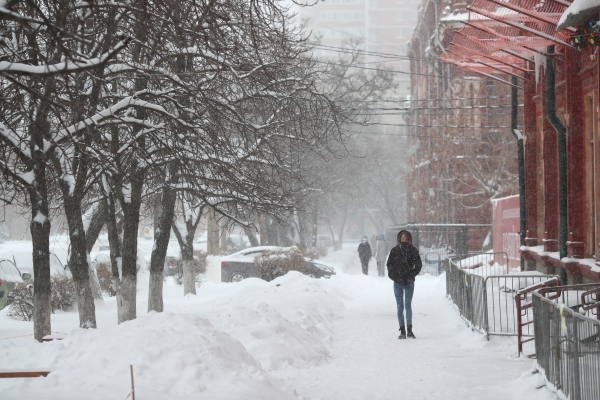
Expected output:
(567, 344)
(524, 316)
(488, 303)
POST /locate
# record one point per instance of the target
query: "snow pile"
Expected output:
(172, 355)
(291, 338)
(216, 347)
(268, 321)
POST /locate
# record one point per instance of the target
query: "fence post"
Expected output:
(576, 374)
(485, 307)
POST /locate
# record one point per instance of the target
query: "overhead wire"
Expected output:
(425, 136)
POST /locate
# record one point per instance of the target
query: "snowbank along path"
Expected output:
(292, 338)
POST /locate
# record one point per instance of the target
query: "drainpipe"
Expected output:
(521, 161)
(562, 160)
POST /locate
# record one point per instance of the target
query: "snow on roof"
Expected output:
(577, 8)
(494, 201)
(455, 17)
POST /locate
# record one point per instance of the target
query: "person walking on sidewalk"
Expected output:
(404, 264)
(381, 251)
(365, 254)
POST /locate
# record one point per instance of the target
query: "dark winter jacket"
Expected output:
(404, 263)
(364, 251)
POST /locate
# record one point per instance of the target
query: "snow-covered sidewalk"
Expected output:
(291, 338)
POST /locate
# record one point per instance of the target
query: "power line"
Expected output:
(445, 126)
(423, 136)
(436, 108)
(430, 99)
(364, 52)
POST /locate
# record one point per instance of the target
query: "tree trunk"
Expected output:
(223, 235)
(301, 228)
(250, 233)
(189, 277)
(187, 257)
(127, 284)
(78, 263)
(97, 221)
(40, 238)
(212, 236)
(162, 234)
(113, 239)
(261, 228)
(338, 244)
(186, 243)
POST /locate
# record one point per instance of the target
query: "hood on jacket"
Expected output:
(406, 233)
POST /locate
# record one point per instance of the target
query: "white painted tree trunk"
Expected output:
(95, 283)
(213, 269)
(155, 296)
(126, 300)
(189, 277)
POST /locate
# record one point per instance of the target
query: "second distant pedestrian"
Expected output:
(365, 254)
(381, 252)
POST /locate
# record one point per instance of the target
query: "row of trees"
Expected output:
(177, 105)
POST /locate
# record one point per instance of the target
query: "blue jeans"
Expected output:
(404, 295)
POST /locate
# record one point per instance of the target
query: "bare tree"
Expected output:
(40, 51)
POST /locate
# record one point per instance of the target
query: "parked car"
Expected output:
(239, 266)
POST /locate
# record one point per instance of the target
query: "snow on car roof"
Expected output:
(242, 254)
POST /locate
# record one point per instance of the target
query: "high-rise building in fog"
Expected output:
(384, 25)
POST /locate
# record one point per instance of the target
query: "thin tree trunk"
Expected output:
(40, 227)
(40, 238)
(161, 241)
(187, 256)
(223, 235)
(301, 228)
(97, 221)
(186, 243)
(113, 240)
(78, 263)
(338, 244)
(212, 236)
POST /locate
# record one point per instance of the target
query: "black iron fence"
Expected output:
(567, 344)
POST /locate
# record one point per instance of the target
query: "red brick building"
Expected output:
(462, 155)
(556, 72)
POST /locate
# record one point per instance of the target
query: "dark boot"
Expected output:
(410, 333)
(402, 333)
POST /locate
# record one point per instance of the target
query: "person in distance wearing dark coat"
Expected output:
(365, 254)
(404, 264)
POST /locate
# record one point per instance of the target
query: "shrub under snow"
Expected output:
(276, 263)
(20, 299)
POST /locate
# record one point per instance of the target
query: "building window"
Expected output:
(399, 16)
(399, 34)
(341, 16)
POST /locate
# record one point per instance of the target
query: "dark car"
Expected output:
(239, 266)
